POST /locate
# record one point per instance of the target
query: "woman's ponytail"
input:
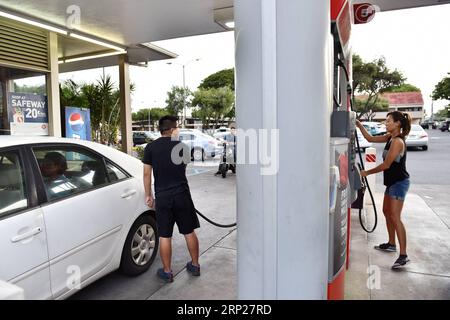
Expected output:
(406, 124)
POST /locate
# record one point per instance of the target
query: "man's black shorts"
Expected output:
(178, 209)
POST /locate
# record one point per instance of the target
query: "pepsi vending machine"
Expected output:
(78, 123)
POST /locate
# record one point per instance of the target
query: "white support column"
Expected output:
(52, 80)
(283, 82)
(125, 104)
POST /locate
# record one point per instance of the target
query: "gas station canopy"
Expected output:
(133, 24)
(130, 25)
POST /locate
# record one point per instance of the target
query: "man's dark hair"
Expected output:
(166, 123)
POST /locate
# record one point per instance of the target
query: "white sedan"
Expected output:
(363, 143)
(418, 137)
(71, 212)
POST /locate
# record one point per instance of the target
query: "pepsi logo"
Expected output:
(76, 122)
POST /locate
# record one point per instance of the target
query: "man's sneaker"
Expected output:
(400, 262)
(166, 276)
(194, 270)
(386, 247)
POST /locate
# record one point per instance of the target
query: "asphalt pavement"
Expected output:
(429, 173)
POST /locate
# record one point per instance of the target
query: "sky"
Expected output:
(215, 51)
(414, 41)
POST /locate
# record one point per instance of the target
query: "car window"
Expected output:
(69, 170)
(12, 184)
(416, 128)
(114, 173)
(184, 137)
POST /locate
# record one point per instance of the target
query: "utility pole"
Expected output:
(184, 96)
(149, 122)
(432, 113)
(184, 88)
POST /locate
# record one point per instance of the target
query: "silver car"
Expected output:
(417, 137)
(201, 144)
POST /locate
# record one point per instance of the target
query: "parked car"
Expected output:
(201, 144)
(363, 143)
(221, 132)
(426, 124)
(445, 126)
(417, 137)
(142, 137)
(71, 211)
(375, 128)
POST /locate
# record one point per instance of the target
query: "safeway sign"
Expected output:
(28, 114)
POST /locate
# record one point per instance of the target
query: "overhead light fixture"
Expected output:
(156, 48)
(94, 56)
(224, 17)
(15, 17)
(95, 41)
(32, 22)
(230, 24)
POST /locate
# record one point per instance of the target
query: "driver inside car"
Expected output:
(53, 168)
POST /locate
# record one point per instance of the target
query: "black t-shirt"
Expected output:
(397, 171)
(168, 159)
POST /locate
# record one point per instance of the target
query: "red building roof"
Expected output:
(404, 98)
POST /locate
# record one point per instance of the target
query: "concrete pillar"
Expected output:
(283, 81)
(52, 80)
(125, 104)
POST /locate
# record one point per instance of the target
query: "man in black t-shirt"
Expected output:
(167, 158)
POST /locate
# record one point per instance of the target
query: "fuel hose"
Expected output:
(341, 64)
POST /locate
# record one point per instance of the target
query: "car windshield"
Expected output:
(416, 127)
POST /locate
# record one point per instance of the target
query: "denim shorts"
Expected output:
(398, 190)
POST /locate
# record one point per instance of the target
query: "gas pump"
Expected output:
(345, 180)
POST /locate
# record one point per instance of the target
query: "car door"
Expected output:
(187, 139)
(23, 241)
(85, 214)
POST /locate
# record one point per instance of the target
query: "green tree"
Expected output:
(102, 98)
(402, 88)
(372, 79)
(71, 95)
(155, 114)
(213, 104)
(442, 89)
(42, 89)
(177, 99)
(442, 114)
(379, 106)
(223, 78)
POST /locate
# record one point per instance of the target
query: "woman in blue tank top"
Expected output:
(396, 179)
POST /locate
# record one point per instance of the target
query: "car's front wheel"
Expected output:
(425, 148)
(140, 247)
(198, 154)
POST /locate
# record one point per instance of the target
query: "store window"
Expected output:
(23, 102)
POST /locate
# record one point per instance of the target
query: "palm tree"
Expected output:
(102, 98)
